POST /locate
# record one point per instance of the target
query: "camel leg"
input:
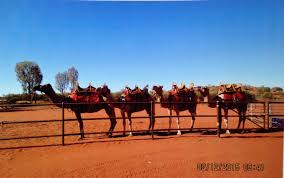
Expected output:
(178, 123)
(123, 119)
(110, 112)
(244, 119)
(151, 113)
(192, 120)
(154, 120)
(170, 120)
(79, 118)
(152, 123)
(226, 120)
(129, 123)
(240, 120)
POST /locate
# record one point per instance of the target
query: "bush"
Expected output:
(263, 89)
(267, 95)
(277, 89)
(19, 98)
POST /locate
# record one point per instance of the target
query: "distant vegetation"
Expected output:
(259, 93)
(22, 98)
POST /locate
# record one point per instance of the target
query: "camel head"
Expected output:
(204, 91)
(157, 92)
(104, 90)
(43, 88)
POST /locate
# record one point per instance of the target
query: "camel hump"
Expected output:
(90, 88)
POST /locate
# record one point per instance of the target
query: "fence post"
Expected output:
(63, 123)
(267, 112)
(264, 119)
(219, 118)
(152, 121)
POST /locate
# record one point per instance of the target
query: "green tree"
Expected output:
(61, 81)
(29, 75)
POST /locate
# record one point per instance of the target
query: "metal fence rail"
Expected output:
(265, 115)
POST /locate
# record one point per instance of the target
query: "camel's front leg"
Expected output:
(129, 123)
(170, 120)
(178, 123)
(244, 119)
(111, 113)
(226, 120)
(79, 118)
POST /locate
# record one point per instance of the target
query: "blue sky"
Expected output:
(118, 43)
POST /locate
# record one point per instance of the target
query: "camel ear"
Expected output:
(162, 86)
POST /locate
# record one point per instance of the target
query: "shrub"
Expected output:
(277, 89)
(19, 98)
(263, 89)
(267, 95)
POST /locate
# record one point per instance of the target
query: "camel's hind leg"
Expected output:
(123, 120)
(79, 118)
(192, 110)
(192, 120)
(242, 119)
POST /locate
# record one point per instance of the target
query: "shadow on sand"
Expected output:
(248, 134)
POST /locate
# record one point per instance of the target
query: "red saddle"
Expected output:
(234, 96)
(85, 97)
(229, 96)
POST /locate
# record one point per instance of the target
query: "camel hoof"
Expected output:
(80, 138)
(179, 132)
(228, 132)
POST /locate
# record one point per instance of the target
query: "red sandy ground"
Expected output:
(137, 156)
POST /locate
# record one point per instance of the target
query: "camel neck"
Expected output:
(109, 97)
(162, 98)
(53, 96)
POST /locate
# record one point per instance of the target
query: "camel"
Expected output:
(179, 102)
(132, 102)
(83, 108)
(229, 101)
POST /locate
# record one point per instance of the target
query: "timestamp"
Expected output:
(225, 166)
(253, 167)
